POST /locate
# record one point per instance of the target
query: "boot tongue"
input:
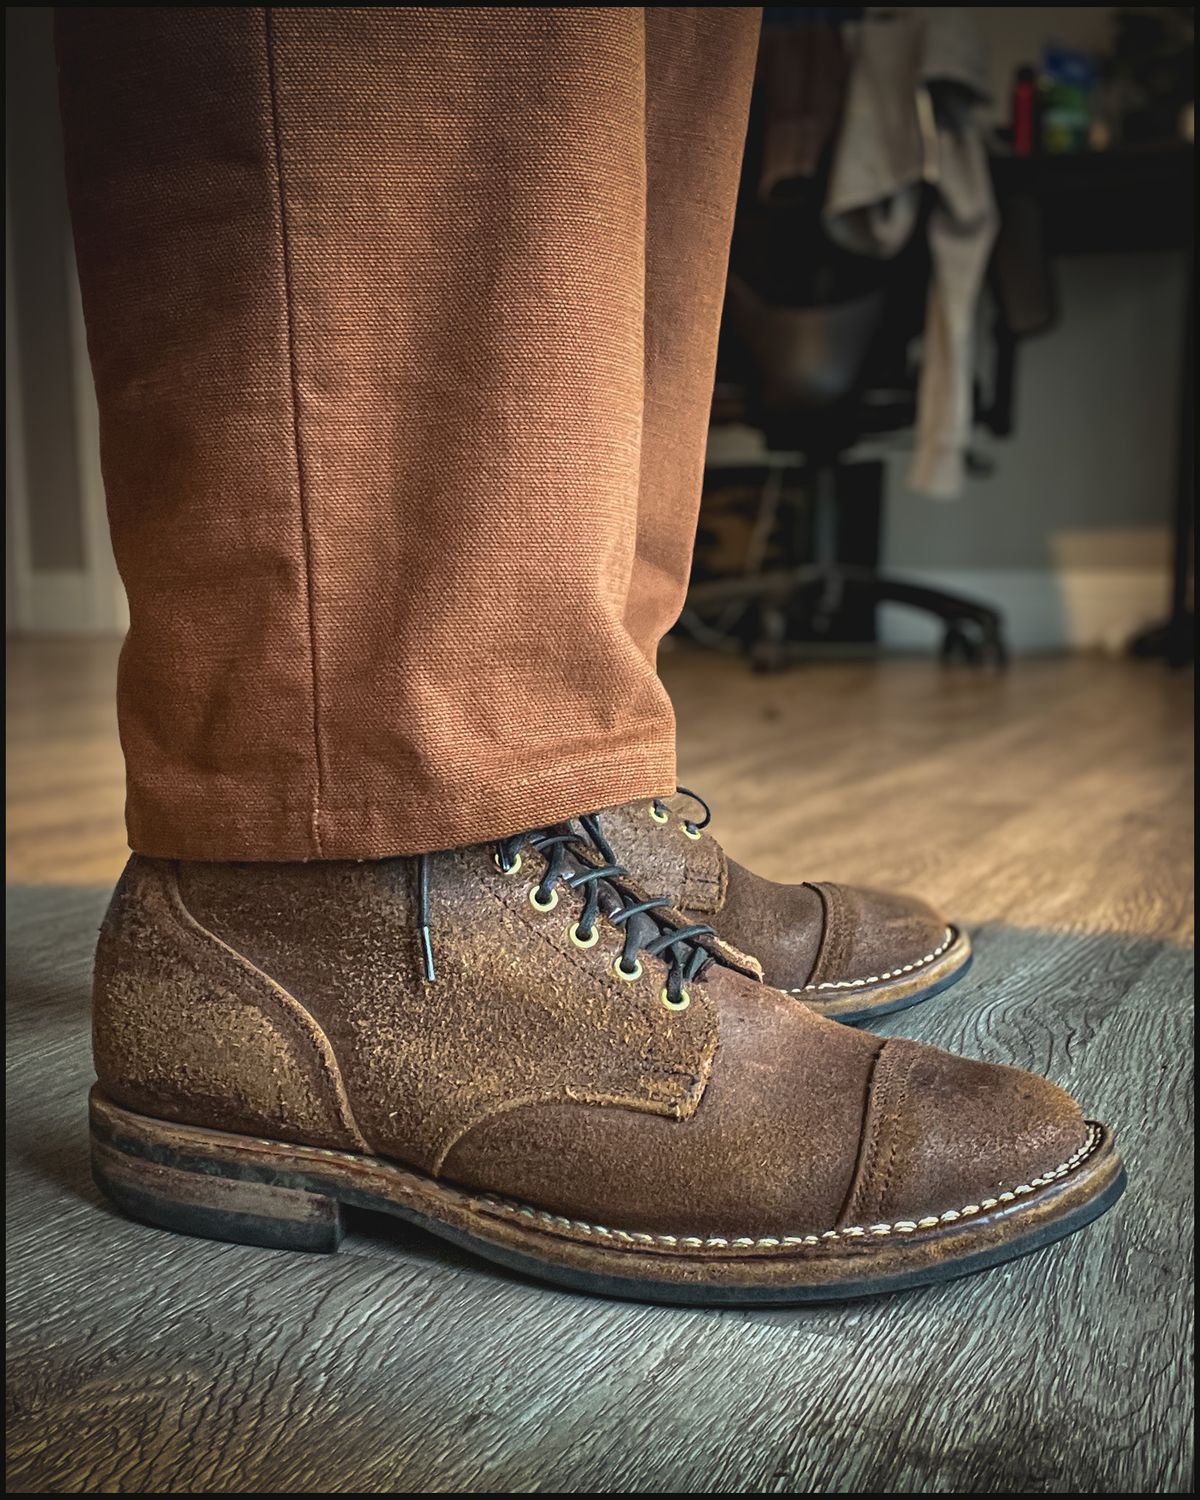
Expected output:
(642, 928)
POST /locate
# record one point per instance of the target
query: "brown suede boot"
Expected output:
(851, 954)
(518, 1050)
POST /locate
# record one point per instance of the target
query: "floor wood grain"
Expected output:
(1051, 810)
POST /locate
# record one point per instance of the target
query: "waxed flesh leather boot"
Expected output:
(518, 1048)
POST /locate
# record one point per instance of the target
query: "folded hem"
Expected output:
(403, 820)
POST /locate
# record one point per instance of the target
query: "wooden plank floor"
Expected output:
(1050, 810)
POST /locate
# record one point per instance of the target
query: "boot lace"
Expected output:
(568, 851)
(660, 807)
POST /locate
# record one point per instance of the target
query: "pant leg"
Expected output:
(699, 71)
(366, 296)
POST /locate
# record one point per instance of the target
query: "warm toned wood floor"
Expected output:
(1050, 810)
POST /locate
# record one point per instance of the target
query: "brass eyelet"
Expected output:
(660, 817)
(692, 833)
(628, 975)
(539, 905)
(681, 1004)
(589, 942)
(512, 869)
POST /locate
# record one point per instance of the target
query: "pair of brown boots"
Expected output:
(525, 1048)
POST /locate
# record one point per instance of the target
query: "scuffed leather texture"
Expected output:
(286, 1001)
(944, 1130)
(782, 925)
(869, 933)
(810, 934)
(772, 1143)
(518, 1015)
(691, 871)
(185, 1029)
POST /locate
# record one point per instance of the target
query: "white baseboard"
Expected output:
(1043, 609)
(58, 604)
(69, 603)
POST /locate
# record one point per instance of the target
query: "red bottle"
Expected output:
(1024, 112)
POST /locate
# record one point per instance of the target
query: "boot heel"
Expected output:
(213, 1206)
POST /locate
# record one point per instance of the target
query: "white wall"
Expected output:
(1071, 532)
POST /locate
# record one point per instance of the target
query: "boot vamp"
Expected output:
(820, 937)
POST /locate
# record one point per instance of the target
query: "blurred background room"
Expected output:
(939, 631)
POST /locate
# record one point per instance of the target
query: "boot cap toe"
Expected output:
(945, 1135)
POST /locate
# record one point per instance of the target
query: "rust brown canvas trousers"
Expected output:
(403, 324)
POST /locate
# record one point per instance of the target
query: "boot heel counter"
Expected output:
(186, 1029)
(115, 968)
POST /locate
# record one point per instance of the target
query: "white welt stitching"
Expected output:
(713, 1242)
(789, 1241)
(851, 984)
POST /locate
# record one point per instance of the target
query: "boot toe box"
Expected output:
(947, 1137)
(870, 937)
(833, 945)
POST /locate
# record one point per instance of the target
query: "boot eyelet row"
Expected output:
(659, 817)
(540, 905)
(547, 903)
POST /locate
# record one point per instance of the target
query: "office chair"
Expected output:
(814, 355)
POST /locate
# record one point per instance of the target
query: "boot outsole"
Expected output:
(861, 1006)
(270, 1193)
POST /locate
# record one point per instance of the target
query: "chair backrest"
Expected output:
(808, 326)
(802, 357)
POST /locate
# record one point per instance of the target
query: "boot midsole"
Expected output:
(181, 1176)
